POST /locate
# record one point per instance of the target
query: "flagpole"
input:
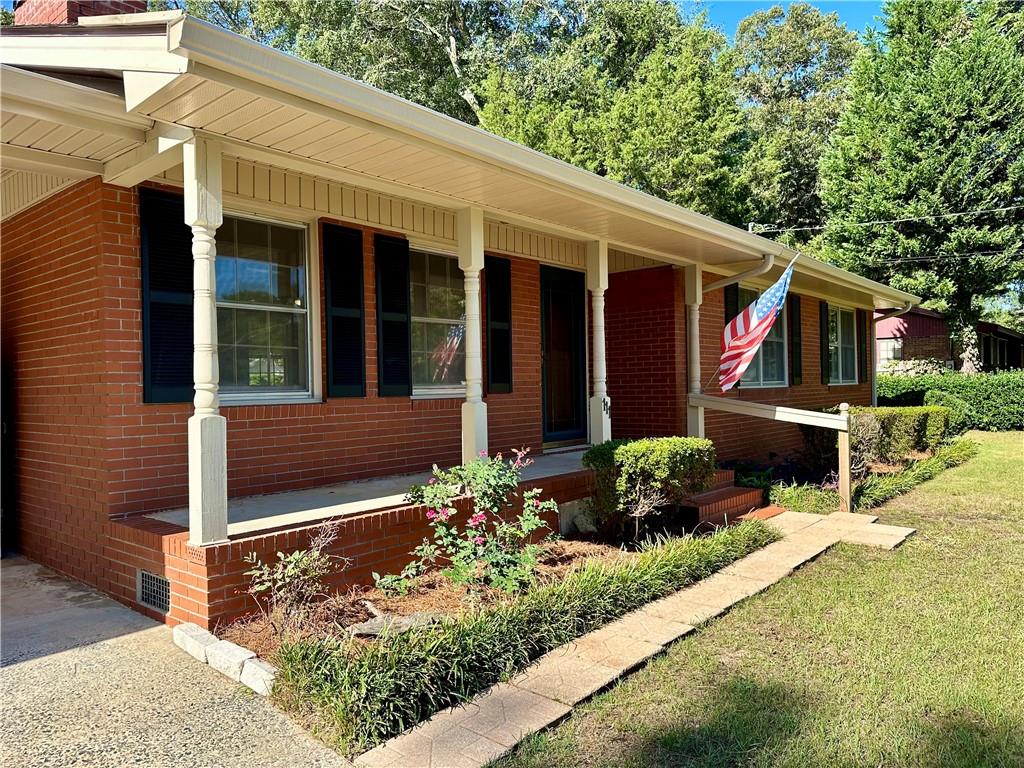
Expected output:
(712, 376)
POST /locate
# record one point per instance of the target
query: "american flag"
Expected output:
(742, 336)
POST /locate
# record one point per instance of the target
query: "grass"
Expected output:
(354, 695)
(863, 658)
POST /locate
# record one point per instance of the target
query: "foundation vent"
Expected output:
(153, 591)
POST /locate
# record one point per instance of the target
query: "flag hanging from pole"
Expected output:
(742, 336)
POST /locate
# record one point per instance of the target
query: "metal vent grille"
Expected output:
(153, 591)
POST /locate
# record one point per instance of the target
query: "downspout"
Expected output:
(874, 350)
(695, 291)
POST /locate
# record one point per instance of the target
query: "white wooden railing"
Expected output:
(837, 421)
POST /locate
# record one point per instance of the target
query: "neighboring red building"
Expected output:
(234, 284)
(922, 334)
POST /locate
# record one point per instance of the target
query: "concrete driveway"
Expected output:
(87, 682)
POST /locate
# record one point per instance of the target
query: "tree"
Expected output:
(793, 69)
(676, 130)
(433, 52)
(933, 137)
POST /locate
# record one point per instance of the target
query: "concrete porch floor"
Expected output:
(251, 514)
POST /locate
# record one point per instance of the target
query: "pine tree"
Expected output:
(934, 126)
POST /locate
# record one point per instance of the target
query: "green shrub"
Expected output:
(902, 430)
(630, 474)
(995, 400)
(805, 498)
(365, 693)
(670, 467)
(959, 410)
(604, 503)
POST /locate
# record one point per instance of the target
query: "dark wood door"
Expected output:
(563, 350)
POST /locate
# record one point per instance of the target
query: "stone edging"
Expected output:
(495, 721)
(238, 663)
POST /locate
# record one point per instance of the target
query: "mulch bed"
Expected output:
(433, 593)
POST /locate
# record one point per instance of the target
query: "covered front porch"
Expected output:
(251, 515)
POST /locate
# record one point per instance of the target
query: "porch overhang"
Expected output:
(171, 73)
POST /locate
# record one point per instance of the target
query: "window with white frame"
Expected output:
(768, 368)
(842, 346)
(438, 324)
(889, 350)
(262, 309)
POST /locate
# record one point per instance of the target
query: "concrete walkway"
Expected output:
(88, 682)
(495, 721)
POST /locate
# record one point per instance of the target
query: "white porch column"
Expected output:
(597, 283)
(207, 429)
(470, 231)
(694, 288)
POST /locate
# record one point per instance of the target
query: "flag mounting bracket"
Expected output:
(767, 262)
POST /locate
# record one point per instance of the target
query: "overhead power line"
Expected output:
(764, 229)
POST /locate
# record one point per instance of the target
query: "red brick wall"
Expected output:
(646, 352)
(646, 318)
(69, 11)
(53, 323)
(744, 437)
(514, 419)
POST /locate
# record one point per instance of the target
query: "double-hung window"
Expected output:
(842, 346)
(889, 350)
(438, 324)
(768, 368)
(262, 310)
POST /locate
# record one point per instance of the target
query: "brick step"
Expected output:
(724, 478)
(714, 504)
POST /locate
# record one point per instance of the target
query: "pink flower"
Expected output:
(431, 481)
(536, 503)
(478, 518)
(483, 453)
(479, 539)
(431, 514)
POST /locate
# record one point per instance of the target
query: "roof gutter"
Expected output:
(767, 262)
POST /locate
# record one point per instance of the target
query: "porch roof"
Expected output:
(152, 76)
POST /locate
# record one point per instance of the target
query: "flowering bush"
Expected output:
(490, 548)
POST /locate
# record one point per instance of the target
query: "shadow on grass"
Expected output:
(742, 719)
(961, 742)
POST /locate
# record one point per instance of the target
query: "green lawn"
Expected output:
(862, 658)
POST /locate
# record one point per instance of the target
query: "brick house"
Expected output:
(923, 334)
(243, 295)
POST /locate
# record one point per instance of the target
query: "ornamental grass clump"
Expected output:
(360, 694)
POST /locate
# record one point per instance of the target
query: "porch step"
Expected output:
(724, 478)
(721, 502)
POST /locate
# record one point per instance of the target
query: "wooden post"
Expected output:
(845, 486)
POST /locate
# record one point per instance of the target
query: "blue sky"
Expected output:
(727, 14)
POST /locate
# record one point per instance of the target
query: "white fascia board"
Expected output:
(38, 161)
(89, 48)
(293, 80)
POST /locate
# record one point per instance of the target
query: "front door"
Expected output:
(563, 354)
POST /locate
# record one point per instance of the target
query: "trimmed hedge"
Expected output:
(361, 694)
(995, 400)
(875, 489)
(901, 431)
(625, 470)
(959, 411)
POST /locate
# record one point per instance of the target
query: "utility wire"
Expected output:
(758, 229)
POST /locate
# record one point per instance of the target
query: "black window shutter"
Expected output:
(343, 288)
(823, 331)
(862, 346)
(394, 335)
(498, 276)
(732, 301)
(796, 352)
(166, 298)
